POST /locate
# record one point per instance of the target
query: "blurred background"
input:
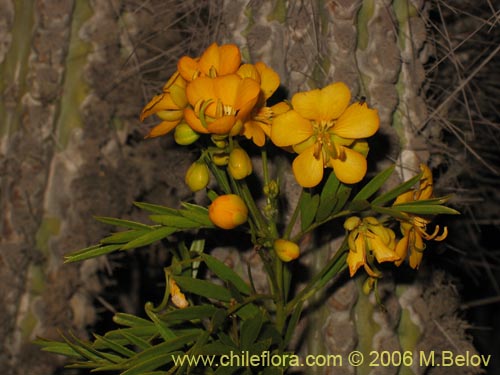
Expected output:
(74, 75)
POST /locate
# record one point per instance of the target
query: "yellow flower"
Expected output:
(368, 239)
(258, 125)
(323, 128)
(286, 250)
(414, 228)
(221, 104)
(168, 106)
(228, 211)
(215, 61)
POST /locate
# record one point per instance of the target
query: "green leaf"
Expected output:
(90, 252)
(175, 221)
(189, 313)
(247, 310)
(105, 343)
(57, 348)
(343, 194)
(163, 329)
(398, 190)
(196, 213)
(125, 236)
(217, 348)
(203, 288)
(148, 238)
(390, 212)
(134, 339)
(149, 364)
(422, 209)
(130, 320)
(121, 223)
(374, 184)
(163, 348)
(225, 273)
(250, 330)
(292, 324)
(328, 197)
(156, 209)
(87, 351)
(308, 208)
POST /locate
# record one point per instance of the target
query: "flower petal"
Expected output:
(290, 128)
(402, 249)
(246, 97)
(200, 89)
(194, 122)
(356, 256)
(350, 170)
(325, 104)
(162, 128)
(229, 60)
(425, 189)
(405, 197)
(308, 170)
(382, 252)
(269, 79)
(210, 58)
(188, 68)
(358, 121)
(256, 131)
(416, 251)
(222, 125)
(160, 102)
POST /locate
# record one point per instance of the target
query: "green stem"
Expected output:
(293, 219)
(255, 213)
(336, 265)
(299, 235)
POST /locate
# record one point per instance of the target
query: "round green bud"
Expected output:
(184, 135)
(197, 176)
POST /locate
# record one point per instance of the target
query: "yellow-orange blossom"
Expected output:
(326, 131)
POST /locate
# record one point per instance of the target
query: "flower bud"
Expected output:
(197, 176)
(286, 250)
(240, 165)
(184, 135)
(220, 159)
(352, 223)
(228, 211)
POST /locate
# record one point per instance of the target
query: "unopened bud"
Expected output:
(197, 176)
(240, 165)
(286, 250)
(228, 211)
(184, 135)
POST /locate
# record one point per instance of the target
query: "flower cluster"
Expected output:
(217, 95)
(217, 99)
(369, 239)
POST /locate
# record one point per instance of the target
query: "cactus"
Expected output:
(68, 127)
(378, 48)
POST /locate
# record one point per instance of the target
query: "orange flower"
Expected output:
(220, 104)
(414, 228)
(168, 106)
(215, 61)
